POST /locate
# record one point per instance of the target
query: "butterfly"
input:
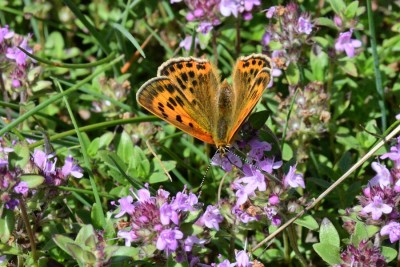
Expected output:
(188, 94)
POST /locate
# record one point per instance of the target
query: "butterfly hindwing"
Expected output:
(162, 97)
(251, 76)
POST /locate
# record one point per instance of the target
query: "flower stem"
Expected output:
(29, 231)
(378, 77)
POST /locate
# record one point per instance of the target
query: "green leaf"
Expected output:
(7, 223)
(323, 21)
(293, 74)
(319, 63)
(62, 241)
(287, 152)
(139, 164)
(307, 221)
(328, 233)
(258, 119)
(20, 156)
(328, 252)
(389, 253)
(33, 180)
(350, 68)
(159, 173)
(360, 233)
(125, 147)
(337, 5)
(86, 236)
(41, 85)
(96, 217)
(351, 10)
(321, 41)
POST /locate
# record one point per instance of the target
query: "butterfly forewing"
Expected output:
(162, 97)
(251, 76)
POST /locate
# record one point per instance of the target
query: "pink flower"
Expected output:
(392, 230)
(211, 218)
(383, 177)
(345, 43)
(21, 188)
(293, 179)
(168, 240)
(126, 206)
(377, 208)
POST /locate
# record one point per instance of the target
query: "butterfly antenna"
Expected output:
(205, 174)
(253, 165)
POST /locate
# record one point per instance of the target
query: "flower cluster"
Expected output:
(379, 206)
(250, 189)
(381, 197)
(157, 220)
(208, 13)
(46, 163)
(12, 182)
(14, 63)
(309, 118)
(242, 260)
(288, 31)
(364, 255)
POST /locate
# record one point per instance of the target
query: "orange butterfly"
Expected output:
(187, 93)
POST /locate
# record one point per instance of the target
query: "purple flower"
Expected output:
(211, 218)
(129, 236)
(337, 20)
(293, 179)
(266, 39)
(184, 202)
(70, 168)
(254, 179)
(228, 7)
(143, 195)
(226, 263)
(21, 188)
(168, 240)
(257, 148)
(345, 43)
(205, 27)
(392, 230)
(269, 164)
(192, 240)
(5, 33)
(382, 177)
(270, 12)
(242, 259)
(394, 153)
(16, 54)
(11, 204)
(226, 162)
(377, 208)
(273, 200)
(126, 206)
(304, 25)
(187, 42)
(167, 214)
(43, 162)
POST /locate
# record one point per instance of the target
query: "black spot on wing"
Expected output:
(190, 125)
(179, 118)
(179, 101)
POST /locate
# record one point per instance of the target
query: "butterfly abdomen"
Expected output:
(226, 100)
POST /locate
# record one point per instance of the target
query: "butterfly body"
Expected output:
(187, 93)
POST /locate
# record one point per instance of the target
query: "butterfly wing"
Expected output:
(165, 99)
(251, 76)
